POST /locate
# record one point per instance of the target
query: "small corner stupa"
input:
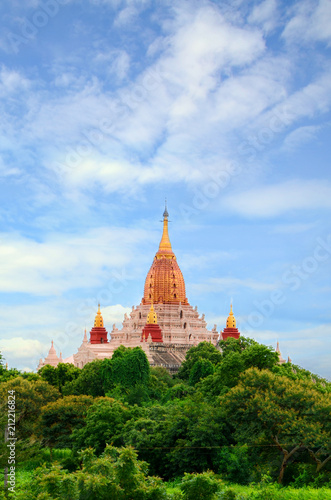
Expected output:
(52, 359)
(281, 359)
(151, 329)
(231, 330)
(98, 334)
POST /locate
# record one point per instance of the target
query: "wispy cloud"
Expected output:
(64, 262)
(300, 136)
(272, 200)
(310, 22)
(231, 284)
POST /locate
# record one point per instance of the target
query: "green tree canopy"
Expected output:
(103, 425)
(30, 397)
(89, 381)
(127, 368)
(273, 410)
(59, 418)
(204, 350)
(200, 370)
(59, 376)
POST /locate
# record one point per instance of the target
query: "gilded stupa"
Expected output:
(230, 330)
(164, 282)
(164, 324)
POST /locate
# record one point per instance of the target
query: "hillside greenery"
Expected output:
(232, 424)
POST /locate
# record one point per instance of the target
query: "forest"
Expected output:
(231, 424)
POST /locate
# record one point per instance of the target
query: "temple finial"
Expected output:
(231, 321)
(165, 245)
(165, 213)
(98, 322)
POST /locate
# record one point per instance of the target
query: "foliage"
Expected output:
(200, 486)
(273, 410)
(201, 369)
(89, 381)
(204, 350)
(61, 417)
(235, 345)
(295, 372)
(59, 376)
(103, 425)
(178, 391)
(30, 397)
(259, 356)
(184, 436)
(236, 413)
(159, 382)
(236, 464)
(127, 368)
(116, 475)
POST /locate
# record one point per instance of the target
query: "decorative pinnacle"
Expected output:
(165, 213)
(165, 245)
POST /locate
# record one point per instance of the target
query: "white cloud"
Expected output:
(265, 14)
(300, 136)
(309, 22)
(11, 81)
(63, 262)
(273, 200)
(114, 314)
(21, 348)
(306, 347)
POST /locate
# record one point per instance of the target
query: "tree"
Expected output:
(89, 381)
(184, 436)
(260, 356)
(60, 375)
(129, 367)
(30, 397)
(235, 345)
(200, 486)
(272, 410)
(159, 382)
(59, 418)
(201, 369)
(116, 475)
(226, 375)
(103, 425)
(236, 464)
(204, 350)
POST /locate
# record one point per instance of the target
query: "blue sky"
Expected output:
(108, 107)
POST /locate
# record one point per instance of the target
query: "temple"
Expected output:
(164, 324)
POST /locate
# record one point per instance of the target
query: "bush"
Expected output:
(200, 486)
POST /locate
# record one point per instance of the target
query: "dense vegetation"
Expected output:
(230, 424)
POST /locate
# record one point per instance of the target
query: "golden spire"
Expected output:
(151, 316)
(165, 245)
(231, 321)
(98, 322)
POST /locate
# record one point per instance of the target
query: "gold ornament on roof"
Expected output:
(151, 316)
(98, 322)
(231, 321)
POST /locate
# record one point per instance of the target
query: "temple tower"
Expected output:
(98, 334)
(230, 330)
(164, 282)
